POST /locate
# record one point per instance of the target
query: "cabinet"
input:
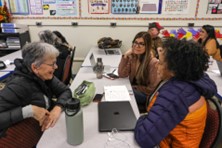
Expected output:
(21, 39)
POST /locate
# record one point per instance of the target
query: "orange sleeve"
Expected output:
(211, 47)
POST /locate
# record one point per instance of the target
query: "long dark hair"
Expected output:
(145, 58)
(211, 35)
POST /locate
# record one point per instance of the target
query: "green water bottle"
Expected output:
(74, 122)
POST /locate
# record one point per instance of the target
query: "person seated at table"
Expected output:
(177, 109)
(29, 92)
(154, 30)
(62, 39)
(209, 41)
(49, 37)
(141, 66)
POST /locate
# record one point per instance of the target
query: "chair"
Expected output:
(24, 134)
(67, 70)
(213, 129)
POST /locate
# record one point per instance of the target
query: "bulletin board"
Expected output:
(43, 8)
(117, 9)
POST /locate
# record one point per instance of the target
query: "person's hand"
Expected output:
(196, 37)
(53, 117)
(159, 50)
(40, 114)
(128, 53)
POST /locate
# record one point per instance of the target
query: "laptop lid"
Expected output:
(93, 63)
(117, 115)
(112, 51)
(92, 60)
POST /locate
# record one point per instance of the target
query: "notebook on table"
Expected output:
(117, 115)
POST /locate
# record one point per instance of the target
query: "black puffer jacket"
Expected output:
(25, 88)
(61, 59)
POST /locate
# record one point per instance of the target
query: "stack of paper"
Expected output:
(116, 93)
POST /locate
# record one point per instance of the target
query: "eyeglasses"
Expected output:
(52, 65)
(140, 44)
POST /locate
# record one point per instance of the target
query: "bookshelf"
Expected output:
(11, 42)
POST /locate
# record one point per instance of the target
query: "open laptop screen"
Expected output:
(92, 60)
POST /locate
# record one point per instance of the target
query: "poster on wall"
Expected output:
(175, 7)
(66, 8)
(36, 7)
(125, 7)
(98, 6)
(18, 6)
(49, 1)
(214, 7)
(150, 6)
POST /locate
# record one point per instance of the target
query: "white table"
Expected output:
(10, 58)
(56, 137)
(4, 73)
(214, 74)
(112, 60)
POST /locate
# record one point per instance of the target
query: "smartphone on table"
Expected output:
(98, 98)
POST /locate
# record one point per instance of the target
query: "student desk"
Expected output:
(112, 60)
(4, 75)
(56, 136)
(11, 57)
(214, 74)
(10, 67)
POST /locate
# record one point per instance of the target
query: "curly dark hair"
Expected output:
(186, 59)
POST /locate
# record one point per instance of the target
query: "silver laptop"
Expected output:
(93, 63)
(117, 115)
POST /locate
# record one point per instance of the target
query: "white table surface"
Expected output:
(56, 137)
(10, 58)
(214, 74)
(108, 59)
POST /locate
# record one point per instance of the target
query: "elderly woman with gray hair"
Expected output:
(48, 36)
(28, 95)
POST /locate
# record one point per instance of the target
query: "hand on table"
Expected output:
(40, 114)
(53, 117)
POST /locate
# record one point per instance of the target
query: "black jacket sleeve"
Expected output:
(61, 91)
(10, 107)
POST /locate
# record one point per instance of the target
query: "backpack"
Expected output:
(108, 42)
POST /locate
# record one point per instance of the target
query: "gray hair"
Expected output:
(48, 37)
(36, 52)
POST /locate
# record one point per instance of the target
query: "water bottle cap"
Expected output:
(73, 104)
(99, 59)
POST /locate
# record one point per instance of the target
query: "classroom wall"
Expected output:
(92, 27)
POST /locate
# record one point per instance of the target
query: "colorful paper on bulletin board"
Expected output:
(66, 8)
(176, 7)
(36, 7)
(214, 7)
(49, 1)
(125, 7)
(19, 6)
(150, 6)
(98, 6)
